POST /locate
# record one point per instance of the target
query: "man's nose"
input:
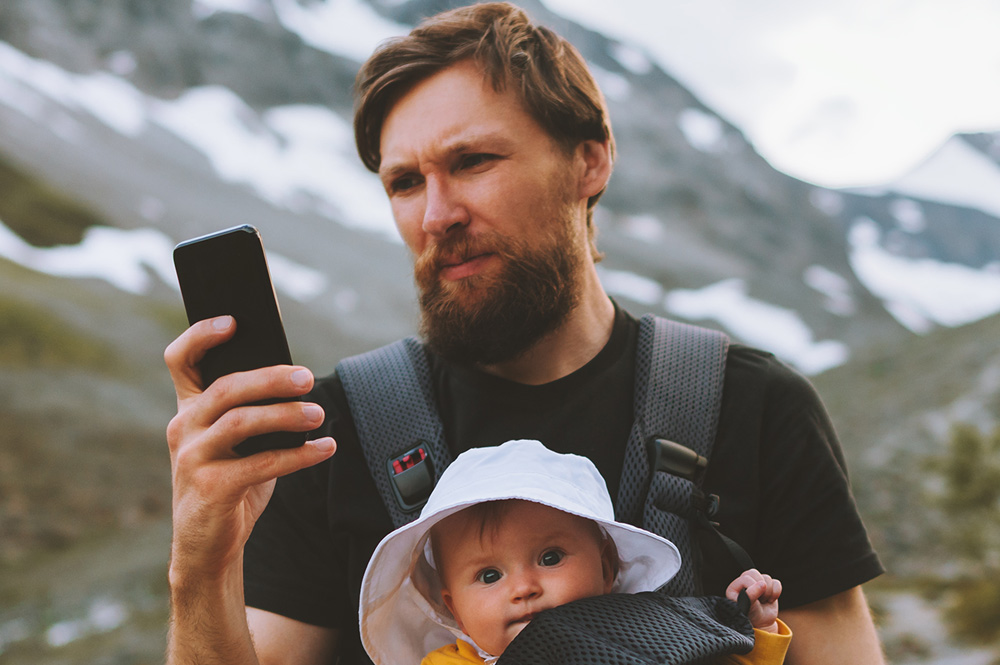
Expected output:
(443, 209)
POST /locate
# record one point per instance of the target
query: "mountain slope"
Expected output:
(716, 210)
(139, 123)
(894, 411)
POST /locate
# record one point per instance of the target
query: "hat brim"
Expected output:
(400, 594)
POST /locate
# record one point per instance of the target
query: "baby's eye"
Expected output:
(551, 558)
(489, 576)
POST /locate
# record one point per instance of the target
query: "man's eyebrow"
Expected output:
(391, 172)
(479, 142)
(488, 141)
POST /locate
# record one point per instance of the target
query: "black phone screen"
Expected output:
(226, 273)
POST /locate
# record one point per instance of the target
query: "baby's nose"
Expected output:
(525, 586)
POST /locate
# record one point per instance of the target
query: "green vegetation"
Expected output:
(31, 337)
(38, 213)
(969, 500)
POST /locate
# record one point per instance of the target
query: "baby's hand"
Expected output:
(763, 591)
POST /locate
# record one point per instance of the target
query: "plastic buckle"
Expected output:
(412, 477)
(712, 507)
(675, 459)
(706, 505)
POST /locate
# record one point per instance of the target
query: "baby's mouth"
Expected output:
(523, 619)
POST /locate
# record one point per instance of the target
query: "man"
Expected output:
(493, 144)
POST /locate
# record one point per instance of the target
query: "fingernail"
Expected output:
(301, 377)
(312, 411)
(324, 445)
(222, 323)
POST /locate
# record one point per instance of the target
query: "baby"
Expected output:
(508, 532)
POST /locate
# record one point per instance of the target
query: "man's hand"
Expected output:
(763, 592)
(217, 495)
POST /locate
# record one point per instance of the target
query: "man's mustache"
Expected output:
(457, 249)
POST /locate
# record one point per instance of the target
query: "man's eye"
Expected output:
(474, 160)
(489, 576)
(403, 183)
(551, 558)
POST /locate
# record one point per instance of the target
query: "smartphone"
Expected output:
(226, 273)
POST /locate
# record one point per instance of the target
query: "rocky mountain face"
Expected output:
(90, 96)
(722, 212)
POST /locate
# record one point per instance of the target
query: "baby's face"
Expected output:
(535, 558)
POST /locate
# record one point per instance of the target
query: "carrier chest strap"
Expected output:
(678, 386)
(392, 402)
(679, 373)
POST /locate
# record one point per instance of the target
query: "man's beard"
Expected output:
(493, 318)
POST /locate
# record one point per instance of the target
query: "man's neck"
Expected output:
(568, 348)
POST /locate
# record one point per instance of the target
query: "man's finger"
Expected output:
(249, 388)
(241, 423)
(184, 353)
(264, 466)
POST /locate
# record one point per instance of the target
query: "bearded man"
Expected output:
(493, 144)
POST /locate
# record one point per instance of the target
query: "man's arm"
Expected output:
(218, 496)
(833, 631)
(280, 640)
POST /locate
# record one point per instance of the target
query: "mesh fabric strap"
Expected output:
(678, 391)
(632, 629)
(678, 388)
(392, 403)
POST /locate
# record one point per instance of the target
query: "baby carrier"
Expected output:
(678, 393)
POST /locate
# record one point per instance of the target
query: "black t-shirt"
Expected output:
(776, 465)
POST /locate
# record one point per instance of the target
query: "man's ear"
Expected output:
(609, 563)
(596, 162)
(450, 604)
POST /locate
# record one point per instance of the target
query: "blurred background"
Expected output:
(820, 182)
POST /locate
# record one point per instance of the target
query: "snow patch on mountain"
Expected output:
(121, 257)
(349, 28)
(840, 94)
(28, 84)
(758, 323)
(922, 293)
(614, 86)
(626, 284)
(836, 290)
(257, 9)
(297, 157)
(631, 58)
(127, 259)
(703, 131)
(957, 174)
(909, 215)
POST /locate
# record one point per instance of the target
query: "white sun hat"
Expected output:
(402, 617)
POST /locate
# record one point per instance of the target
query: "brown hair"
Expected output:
(546, 71)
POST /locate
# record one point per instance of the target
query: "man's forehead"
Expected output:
(454, 105)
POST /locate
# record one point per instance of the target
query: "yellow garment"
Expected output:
(460, 653)
(769, 649)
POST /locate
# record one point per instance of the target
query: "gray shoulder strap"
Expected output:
(679, 372)
(392, 402)
(678, 390)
